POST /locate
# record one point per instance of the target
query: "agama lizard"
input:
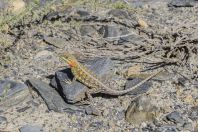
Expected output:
(88, 78)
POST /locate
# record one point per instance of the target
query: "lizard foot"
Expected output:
(68, 81)
(83, 102)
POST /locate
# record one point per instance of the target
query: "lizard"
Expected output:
(89, 79)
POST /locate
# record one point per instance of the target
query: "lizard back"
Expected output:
(84, 75)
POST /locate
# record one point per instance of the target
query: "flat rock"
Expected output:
(119, 34)
(88, 30)
(31, 128)
(113, 32)
(166, 129)
(72, 13)
(12, 93)
(43, 55)
(75, 91)
(175, 117)
(141, 110)
(139, 90)
(121, 14)
(90, 110)
(194, 113)
(52, 98)
(71, 93)
(182, 3)
(57, 42)
(3, 122)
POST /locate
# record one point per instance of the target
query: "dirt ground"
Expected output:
(147, 35)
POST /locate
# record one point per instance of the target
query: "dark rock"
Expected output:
(194, 113)
(75, 91)
(22, 109)
(175, 117)
(66, 13)
(121, 14)
(88, 30)
(12, 93)
(118, 34)
(51, 97)
(182, 3)
(100, 66)
(141, 89)
(57, 42)
(72, 93)
(3, 122)
(113, 32)
(90, 110)
(71, 13)
(96, 124)
(181, 81)
(187, 126)
(84, 15)
(31, 128)
(166, 129)
(142, 110)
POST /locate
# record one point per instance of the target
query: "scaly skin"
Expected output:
(88, 78)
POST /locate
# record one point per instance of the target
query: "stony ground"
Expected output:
(133, 38)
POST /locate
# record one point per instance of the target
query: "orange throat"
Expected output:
(72, 63)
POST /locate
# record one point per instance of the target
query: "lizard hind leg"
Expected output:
(88, 95)
(87, 100)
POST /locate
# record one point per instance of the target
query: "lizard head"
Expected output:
(69, 58)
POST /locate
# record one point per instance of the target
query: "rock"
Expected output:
(43, 55)
(88, 30)
(175, 117)
(84, 15)
(71, 93)
(6, 40)
(71, 13)
(194, 113)
(75, 91)
(141, 110)
(196, 128)
(188, 99)
(139, 90)
(187, 126)
(113, 33)
(31, 128)
(12, 93)
(3, 122)
(3, 4)
(100, 66)
(166, 128)
(90, 110)
(182, 3)
(17, 6)
(118, 34)
(119, 13)
(96, 124)
(51, 97)
(142, 23)
(63, 14)
(57, 42)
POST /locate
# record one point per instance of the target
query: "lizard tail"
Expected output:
(123, 92)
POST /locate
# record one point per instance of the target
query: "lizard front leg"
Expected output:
(68, 81)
